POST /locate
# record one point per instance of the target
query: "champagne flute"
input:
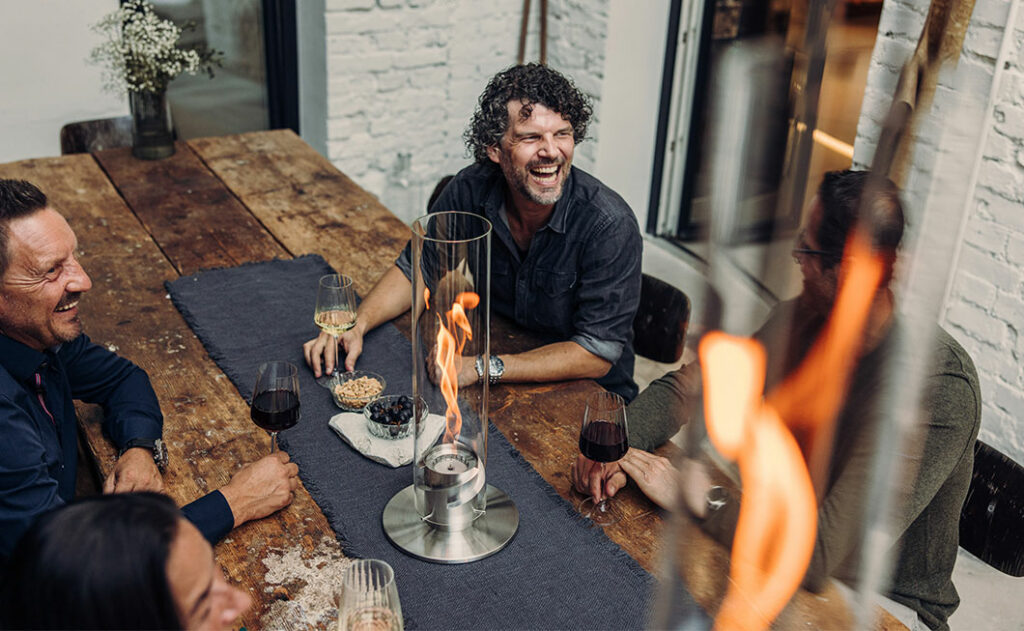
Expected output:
(275, 399)
(369, 598)
(603, 438)
(335, 313)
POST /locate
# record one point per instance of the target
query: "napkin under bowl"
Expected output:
(352, 428)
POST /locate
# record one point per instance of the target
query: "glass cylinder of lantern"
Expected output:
(450, 514)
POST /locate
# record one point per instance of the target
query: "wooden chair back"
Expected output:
(659, 327)
(992, 519)
(96, 135)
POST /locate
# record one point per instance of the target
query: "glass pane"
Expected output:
(235, 100)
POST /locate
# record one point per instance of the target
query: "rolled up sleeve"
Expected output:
(97, 375)
(609, 289)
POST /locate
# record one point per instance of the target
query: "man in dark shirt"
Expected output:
(565, 252)
(46, 362)
(925, 526)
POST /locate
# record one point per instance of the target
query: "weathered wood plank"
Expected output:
(306, 203)
(206, 423)
(198, 222)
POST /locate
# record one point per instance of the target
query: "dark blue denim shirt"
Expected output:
(38, 447)
(580, 278)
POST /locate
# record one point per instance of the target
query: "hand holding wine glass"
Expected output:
(603, 439)
(275, 399)
(335, 313)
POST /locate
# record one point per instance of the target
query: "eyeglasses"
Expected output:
(796, 251)
(801, 250)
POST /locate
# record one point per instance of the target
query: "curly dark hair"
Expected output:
(530, 84)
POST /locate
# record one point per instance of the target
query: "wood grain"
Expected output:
(226, 200)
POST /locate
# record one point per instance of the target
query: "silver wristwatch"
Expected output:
(495, 368)
(715, 499)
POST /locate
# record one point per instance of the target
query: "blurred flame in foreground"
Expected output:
(778, 518)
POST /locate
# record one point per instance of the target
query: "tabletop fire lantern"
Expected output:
(450, 514)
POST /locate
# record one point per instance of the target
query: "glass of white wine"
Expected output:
(369, 598)
(335, 314)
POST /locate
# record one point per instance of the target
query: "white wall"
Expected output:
(985, 231)
(631, 96)
(45, 81)
(403, 76)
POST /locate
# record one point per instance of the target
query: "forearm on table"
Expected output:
(664, 406)
(389, 298)
(554, 362)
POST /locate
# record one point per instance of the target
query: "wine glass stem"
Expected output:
(337, 357)
(273, 442)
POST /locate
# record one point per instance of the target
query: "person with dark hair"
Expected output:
(565, 252)
(926, 527)
(125, 561)
(46, 362)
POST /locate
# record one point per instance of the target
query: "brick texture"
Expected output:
(985, 310)
(404, 75)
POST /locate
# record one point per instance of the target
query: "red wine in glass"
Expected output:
(603, 438)
(275, 399)
(603, 441)
(275, 410)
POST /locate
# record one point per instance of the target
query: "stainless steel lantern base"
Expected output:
(491, 532)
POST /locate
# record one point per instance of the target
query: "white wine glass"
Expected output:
(335, 313)
(369, 598)
(604, 438)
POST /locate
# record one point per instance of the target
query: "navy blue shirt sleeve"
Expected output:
(609, 289)
(212, 515)
(28, 486)
(96, 375)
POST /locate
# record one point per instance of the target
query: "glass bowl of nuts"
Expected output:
(353, 390)
(390, 416)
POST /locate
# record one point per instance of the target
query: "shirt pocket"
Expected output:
(552, 300)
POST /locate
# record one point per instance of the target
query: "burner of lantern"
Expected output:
(448, 465)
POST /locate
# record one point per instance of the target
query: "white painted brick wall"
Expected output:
(404, 77)
(986, 308)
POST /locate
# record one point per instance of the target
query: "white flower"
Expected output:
(141, 52)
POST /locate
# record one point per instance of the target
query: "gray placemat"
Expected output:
(557, 573)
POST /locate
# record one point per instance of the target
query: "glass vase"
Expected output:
(152, 138)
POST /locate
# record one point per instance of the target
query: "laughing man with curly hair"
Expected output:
(565, 257)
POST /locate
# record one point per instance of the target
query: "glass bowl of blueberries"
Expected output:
(390, 416)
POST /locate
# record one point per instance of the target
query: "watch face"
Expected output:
(716, 498)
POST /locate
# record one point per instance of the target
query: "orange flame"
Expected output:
(451, 339)
(777, 524)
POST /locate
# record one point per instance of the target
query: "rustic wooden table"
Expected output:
(253, 197)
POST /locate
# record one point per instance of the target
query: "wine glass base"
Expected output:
(606, 514)
(328, 380)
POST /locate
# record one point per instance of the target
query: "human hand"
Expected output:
(134, 471)
(600, 482)
(262, 487)
(323, 350)
(655, 476)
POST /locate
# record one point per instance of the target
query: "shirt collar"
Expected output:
(19, 360)
(496, 199)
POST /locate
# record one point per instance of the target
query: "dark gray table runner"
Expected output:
(558, 572)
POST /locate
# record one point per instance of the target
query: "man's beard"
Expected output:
(518, 180)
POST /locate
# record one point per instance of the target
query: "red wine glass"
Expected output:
(603, 439)
(275, 399)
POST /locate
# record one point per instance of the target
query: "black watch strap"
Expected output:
(155, 445)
